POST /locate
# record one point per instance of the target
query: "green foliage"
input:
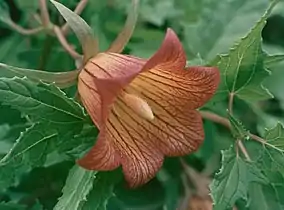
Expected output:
(44, 129)
(232, 182)
(243, 70)
(42, 102)
(78, 185)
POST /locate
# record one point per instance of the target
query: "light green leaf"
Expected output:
(29, 151)
(272, 160)
(60, 79)
(102, 191)
(78, 185)
(220, 24)
(243, 69)
(42, 102)
(232, 182)
(81, 29)
(275, 137)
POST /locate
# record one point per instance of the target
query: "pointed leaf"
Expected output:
(243, 69)
(81, 29)
(275, 137)
(29, 151)
(102, 191)
(78, 185)
(272, 159)
(60, 79)
(232, 182)
(42, 102)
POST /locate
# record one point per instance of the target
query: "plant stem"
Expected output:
(231, 101)
(243, 149)
(22, 30)
(225, 122)
(60, 36)
(44, 13)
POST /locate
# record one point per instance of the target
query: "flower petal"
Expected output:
(101, 80)
(170, 54)
(188, 88)
(166, 75)
(102, 156)
(126, 33)
(139, 157)
(175, 130)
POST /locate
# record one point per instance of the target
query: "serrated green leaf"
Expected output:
(29, 151)
(78, 185)
(81, 29)
(60, 79)
(272, 160)
(42, 102)
(238, 129)
(243, 69)
(275, 137)
(102, 191)
(232, 182)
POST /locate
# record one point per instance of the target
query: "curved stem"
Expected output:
(124, 36)
(44, 13)
(65, 43)
(225, 122)
(22, 30)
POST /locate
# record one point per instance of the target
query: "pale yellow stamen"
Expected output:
(138, 105)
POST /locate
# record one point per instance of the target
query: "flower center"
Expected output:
(139, 106)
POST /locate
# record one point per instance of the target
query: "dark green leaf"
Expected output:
(29, 151)
(243, 70)
(232, 182)
(102, 191)
(77, 187)
(42, 102)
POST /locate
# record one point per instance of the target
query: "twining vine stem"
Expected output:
(225, 122)
(49, 27)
